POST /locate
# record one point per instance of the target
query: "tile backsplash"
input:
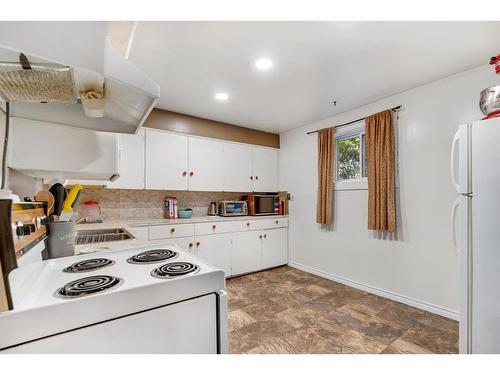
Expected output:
(148, 204)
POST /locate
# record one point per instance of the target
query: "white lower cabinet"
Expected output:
(185, 243)
(274, 247)
(215, 249)
(237, 247)
(246, 252)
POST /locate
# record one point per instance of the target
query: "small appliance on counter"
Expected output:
(213, 209)
(233, 208)
(263, 204)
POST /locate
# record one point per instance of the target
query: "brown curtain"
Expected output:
(325, 176)
(381, 166)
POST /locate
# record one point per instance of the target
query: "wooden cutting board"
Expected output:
(46, 196)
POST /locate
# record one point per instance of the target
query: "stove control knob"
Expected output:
(26, 229)
(19, 229)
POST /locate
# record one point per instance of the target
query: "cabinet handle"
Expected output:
(276, 221)
(251, 177)
(172, 230)
(214, 226)
(198, 243)
(191, 174)
(190, 245)
(184, 173)
(260, 236)
(248, 224)
(256, 177)
(265, 235)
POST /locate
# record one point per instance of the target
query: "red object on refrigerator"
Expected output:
(495, 60)
(491, 115)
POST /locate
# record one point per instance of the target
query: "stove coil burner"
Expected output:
(171, 270)
(89, 265)
(152, 256)
(88, 285)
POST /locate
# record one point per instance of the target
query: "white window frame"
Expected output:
(357, 129)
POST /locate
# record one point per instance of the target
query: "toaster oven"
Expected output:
(233, 208)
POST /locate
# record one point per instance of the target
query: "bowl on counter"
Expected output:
(185, 214)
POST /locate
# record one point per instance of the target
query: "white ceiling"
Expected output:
(315, 63)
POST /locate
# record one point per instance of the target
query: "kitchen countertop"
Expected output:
(192, 220)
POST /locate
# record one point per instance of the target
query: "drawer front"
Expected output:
(158, 232)
(246, 225)
(202, 229)
(277, 222)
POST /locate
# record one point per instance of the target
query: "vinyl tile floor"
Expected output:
(285, 310)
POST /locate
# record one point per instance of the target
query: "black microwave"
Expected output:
(263, 204)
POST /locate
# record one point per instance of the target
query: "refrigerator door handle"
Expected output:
(454, 181)
(454, 211)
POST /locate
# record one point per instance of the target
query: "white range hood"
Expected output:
(129, 95)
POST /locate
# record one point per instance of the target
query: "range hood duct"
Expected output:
(36, 83)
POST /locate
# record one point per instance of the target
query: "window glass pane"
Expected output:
(364, 161)
(348, 150)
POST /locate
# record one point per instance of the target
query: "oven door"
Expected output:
(266, 205)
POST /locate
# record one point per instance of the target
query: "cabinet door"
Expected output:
(265, 170)
(246, 252)
(215, 249)
(166, 161)
(238, 167)
(130, 161)
(185, 243)
(206, 160)
(275, 248)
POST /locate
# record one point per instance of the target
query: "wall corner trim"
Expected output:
(380, 292)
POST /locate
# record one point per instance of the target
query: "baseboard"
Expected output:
(380, 292)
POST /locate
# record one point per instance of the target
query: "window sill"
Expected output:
(359, 184)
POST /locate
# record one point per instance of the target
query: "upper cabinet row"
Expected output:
(160, 160)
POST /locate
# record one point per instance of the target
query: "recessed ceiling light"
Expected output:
(263, 64)
(221, 96)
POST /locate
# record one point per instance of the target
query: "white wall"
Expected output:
(420, 267)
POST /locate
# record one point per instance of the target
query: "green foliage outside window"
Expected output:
(348, 155)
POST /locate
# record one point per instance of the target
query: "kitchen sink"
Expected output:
(90, 236)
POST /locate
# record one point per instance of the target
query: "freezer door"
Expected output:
(460, 160)
(485, 255)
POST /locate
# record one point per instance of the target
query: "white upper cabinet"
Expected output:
(265, 170)
(156, 159)
(131, 161)
(238, 167)
(206, 161)
(166, 161)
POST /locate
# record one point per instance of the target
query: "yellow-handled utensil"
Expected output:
(67, 210)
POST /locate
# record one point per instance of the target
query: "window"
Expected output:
(350, 160)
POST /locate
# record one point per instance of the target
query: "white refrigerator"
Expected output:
(475, 169)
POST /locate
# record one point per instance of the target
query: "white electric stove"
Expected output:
(153, 298)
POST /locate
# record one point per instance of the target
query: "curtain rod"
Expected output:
(351, 122)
